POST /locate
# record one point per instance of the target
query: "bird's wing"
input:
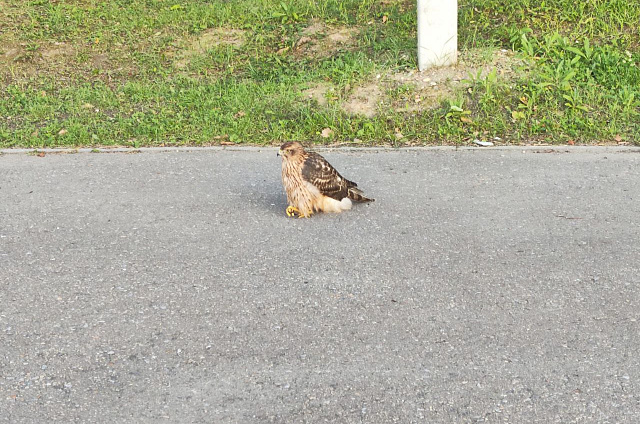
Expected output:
(317, 171)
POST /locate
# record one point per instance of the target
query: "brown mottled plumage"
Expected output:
(313, 185)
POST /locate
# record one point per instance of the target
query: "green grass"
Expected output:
(196, 72)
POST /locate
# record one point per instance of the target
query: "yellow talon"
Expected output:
(292, 211)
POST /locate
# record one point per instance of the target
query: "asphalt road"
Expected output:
(481, 286)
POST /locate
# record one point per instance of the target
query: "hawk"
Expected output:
(313, 185)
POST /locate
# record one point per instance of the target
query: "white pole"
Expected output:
(437, 33)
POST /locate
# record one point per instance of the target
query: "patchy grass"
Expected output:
(160, 72)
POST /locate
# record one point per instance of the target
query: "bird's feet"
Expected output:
(292, 211)
(295, 212)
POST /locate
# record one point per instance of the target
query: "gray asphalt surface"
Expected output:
(481, 286)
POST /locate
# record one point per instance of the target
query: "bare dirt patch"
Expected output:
(318, 93)
(62, 61)
(414, 91)
(425, 90)
(364, 100)
(18, 60)
(320, 40)
(10, 53)
(315, 28)
(43, 54)
(100, 61)
(469, 64)
(341, 36)
(57, 50)
(217, 36)
(209, 39)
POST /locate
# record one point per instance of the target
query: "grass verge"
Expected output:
(159, 72)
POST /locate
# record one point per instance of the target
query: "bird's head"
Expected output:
(290, 148)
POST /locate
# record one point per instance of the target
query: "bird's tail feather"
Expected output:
(357, 195)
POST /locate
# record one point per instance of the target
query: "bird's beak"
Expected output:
(279, 153)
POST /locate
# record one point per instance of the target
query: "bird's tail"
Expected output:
(357, 195)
